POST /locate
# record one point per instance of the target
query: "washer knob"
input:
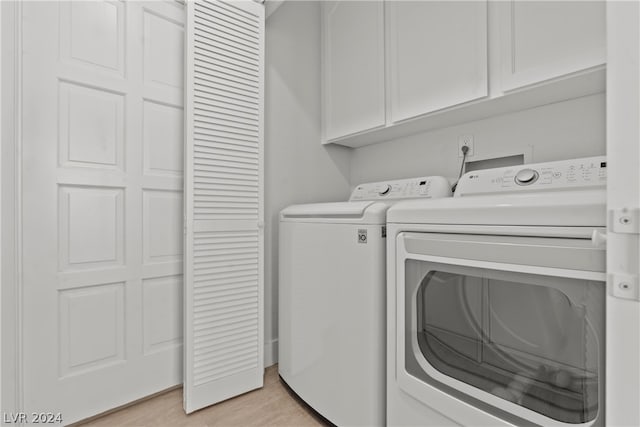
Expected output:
(385, 190)
(526, 177)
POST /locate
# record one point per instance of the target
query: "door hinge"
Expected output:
(623, 231)
(624, 220)
(625, 286)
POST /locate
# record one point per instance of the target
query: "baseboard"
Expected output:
(126, 405)
(270, 353)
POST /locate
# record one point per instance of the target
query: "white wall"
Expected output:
(298, 169)
(564, 130)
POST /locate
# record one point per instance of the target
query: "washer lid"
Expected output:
(585, 208)
(340, 212)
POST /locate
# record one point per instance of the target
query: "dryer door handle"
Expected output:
(598, 238)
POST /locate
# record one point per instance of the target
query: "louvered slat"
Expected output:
(237, 297)
(209, 76)
(224, 149)
(224, 204)
(216, 305)
(219, 45)
(228, 95)
(204, 60)
(220, 142)
(231, 20)
(228, 157)
(206, 64)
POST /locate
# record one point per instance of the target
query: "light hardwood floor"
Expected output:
(274, 405)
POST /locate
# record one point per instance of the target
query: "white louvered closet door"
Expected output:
(223, 269)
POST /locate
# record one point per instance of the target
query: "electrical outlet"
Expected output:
(465, 140)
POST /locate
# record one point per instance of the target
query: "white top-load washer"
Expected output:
(332, 299)
(496, 300)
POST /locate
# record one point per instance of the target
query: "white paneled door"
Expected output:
(102, 135)
(223, 201)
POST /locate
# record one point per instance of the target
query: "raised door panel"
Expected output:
(354, 90)
(437, 55)
(542, 40)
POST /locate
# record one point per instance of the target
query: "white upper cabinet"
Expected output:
(542, 40)
(353, 39)
(437, 55)
(395, 68)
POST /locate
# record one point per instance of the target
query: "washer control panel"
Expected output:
(580, 173)
(411, 188)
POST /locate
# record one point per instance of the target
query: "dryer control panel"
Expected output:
(587, 173)
(411, 188)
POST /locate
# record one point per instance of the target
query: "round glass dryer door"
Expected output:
(534, 341)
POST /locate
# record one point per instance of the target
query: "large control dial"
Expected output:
(526, 177)
(385, 189)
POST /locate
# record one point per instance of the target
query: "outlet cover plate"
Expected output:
(468, 141)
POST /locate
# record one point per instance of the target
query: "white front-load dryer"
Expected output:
(332, 299)
(497, 301)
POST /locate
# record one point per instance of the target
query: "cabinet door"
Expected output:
(353, 45)
(437, 55)
(542, 40)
